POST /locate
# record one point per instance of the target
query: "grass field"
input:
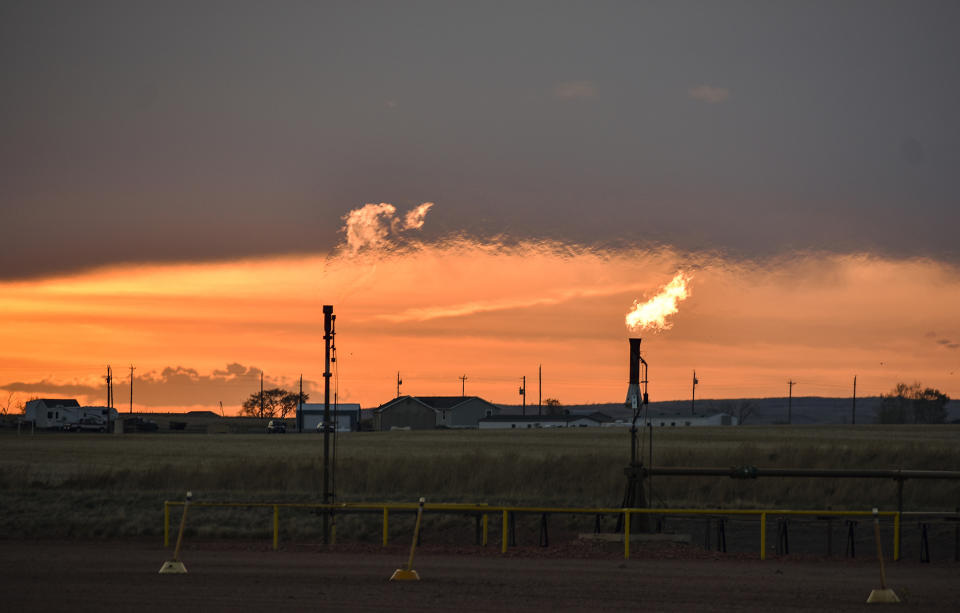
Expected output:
(97, 484)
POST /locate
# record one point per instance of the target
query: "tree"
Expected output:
(276, 403)
(741, 409)
(553, 407)
(915, 404)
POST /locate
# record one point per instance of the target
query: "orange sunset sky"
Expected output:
(493, 311)
(479, 189)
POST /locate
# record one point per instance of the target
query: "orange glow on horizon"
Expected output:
(493, 312)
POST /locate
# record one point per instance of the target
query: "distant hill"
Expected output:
(805, 410)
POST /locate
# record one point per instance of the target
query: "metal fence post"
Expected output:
(763, 536)
(166, 523)
(386, 521)
(503, 539)
(276, 526)
(896, 537)
(626, 534)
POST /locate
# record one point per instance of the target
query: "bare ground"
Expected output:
(123, 576)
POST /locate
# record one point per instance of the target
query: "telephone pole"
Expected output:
(109, 387)
(791, 383)
(132, 368)
(261, 394)
(399, 383)
(853, 416)
(693, 393)
(539, 389)
(523, 392)
(463, 386)
(300, 406)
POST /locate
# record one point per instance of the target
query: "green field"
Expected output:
(75, 484)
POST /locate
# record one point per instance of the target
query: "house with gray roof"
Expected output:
(428, 412)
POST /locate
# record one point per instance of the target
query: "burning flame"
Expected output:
(371, 225)
(652, 314)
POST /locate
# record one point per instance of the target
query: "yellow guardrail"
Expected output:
(485, 510)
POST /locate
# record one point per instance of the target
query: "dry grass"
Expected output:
(73, 484)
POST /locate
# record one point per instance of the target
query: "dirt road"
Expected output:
(122, 576)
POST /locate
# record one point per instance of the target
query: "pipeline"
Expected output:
(753, 472)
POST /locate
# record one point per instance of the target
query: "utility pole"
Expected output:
(132, 368)
(853, 416)
(300, 406)
(399, 383)
(791, 383)
(109, 387)
(523, 392)
(463, 386)
(261, 394)
(693, 393)
(109, 398)
(328, 319)
(539, 389)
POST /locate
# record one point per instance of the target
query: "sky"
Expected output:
(186, 184)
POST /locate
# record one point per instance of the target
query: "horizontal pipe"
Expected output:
(752, 472)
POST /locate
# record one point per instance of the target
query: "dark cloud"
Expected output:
(131, 134)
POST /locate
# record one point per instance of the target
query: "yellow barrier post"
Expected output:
(174, 566)
(763, 536)
(884, 594)
(503, 541)
(276, 526)
(626, 534)
(485, 528)
(408, 574)
(385, 521)
(896, 537)
(166, 523)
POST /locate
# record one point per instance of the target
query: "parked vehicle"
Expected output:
(139, 424)
(92, 423)
(276, 426)
(325, 427)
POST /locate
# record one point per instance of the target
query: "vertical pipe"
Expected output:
(763, 536)
(626, 534)
(385, 524)
(503, 540)
(276, 526)
(486, 524)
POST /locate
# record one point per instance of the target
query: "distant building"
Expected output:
(345, 416)
(678, 421)
(543, 421)
(428, 412)
(60, 412)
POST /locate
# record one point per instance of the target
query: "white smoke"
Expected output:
(373, 226)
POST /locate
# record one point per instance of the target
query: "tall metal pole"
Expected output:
(523, 392)
(261, 394)
(539, 389)
(463, 385)
(131, 387)
(853, 416)
(300, 407)
(693, 393)
(791, 383)
(327, 337)
(399, 383)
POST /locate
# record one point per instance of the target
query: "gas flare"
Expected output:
(652, 314)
